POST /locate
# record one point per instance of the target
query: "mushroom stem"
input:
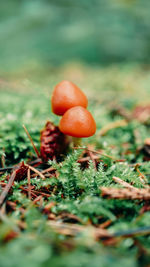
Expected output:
(76, 141)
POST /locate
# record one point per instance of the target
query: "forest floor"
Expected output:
(91, 207)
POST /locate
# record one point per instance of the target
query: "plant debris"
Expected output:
(124, 193)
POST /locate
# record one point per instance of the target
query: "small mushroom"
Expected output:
(67, 95)
(77, 122)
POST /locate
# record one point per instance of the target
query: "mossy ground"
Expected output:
(75, 195)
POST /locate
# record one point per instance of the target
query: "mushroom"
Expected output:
(67, 95)
(77, 122)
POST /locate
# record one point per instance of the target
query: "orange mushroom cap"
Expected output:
(67, 95)
(77, 122)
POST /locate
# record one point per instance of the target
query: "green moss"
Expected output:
(77, 190)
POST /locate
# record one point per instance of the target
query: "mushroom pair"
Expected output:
(70, 102)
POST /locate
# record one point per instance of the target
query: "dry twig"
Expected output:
(7, 188)
(29, 183)
(3, 160)
(142, 176)
(123, 183)
(50, 169)
(30, 138)
(96, 233)
(99, 153)
(74, 229)
(80, 160)
(36, 171)
(126, 193)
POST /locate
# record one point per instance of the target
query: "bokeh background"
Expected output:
(104, 47)
(53, 32)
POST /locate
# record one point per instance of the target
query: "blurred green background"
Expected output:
(52, 32)
(103, 46)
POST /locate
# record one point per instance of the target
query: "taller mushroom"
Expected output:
(67, 95)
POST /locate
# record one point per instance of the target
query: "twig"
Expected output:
(37, 161)
(6, 169)
(37, 199)
(138, 164)
(29, 183)
(7, 188)
(34, 192)
(74, 229)
(31, 140)
(103, 154)
(125, 193)
(100, 153)
(97, 233)
(133, 232)
(3, 160)
(48, 170)
(66, 215)
(26, 190)
(41, 193)
(123, 183)
(142, 176)
(105, 224)
(36, 171)
(87, 159)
